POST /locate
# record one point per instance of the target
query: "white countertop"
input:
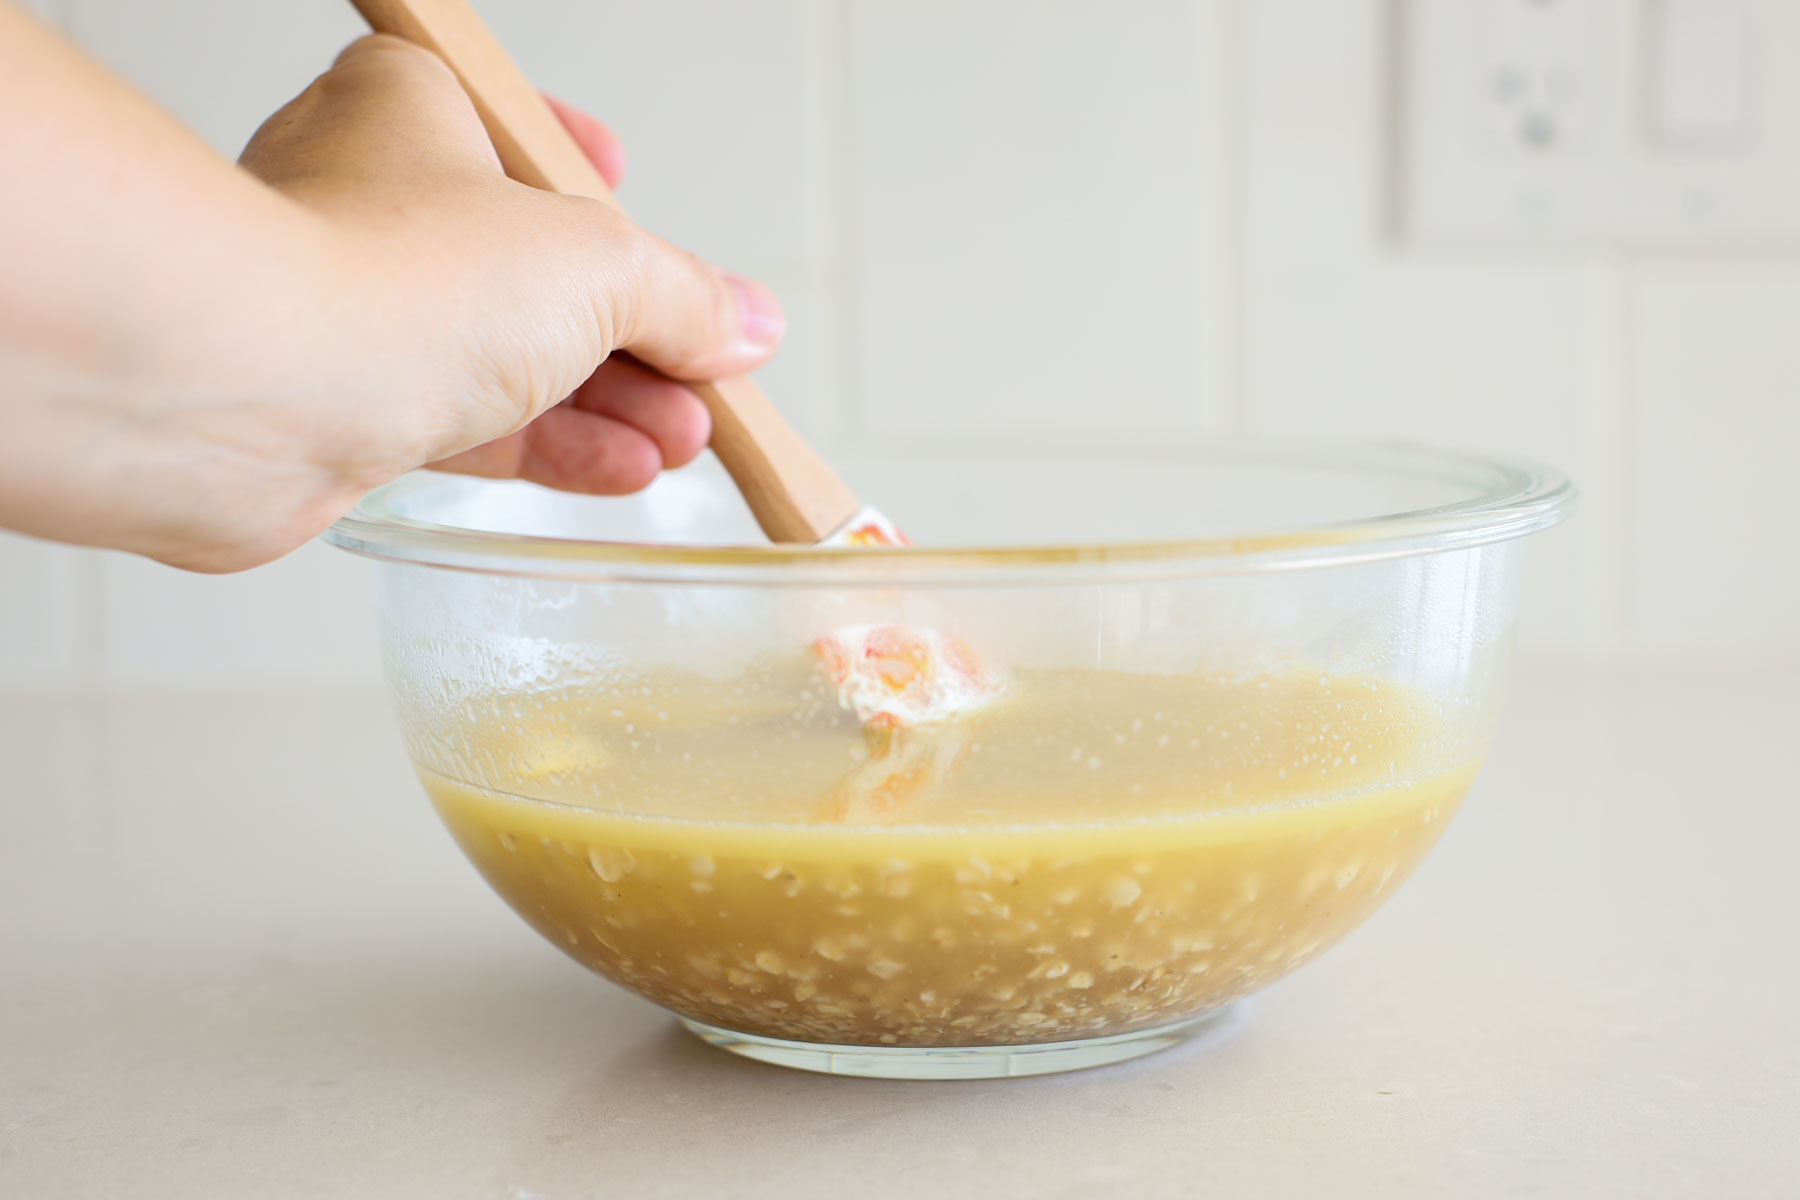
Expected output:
(239, 958)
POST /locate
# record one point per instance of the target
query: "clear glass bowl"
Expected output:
(1237, 693)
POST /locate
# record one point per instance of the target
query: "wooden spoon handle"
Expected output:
(794, 493)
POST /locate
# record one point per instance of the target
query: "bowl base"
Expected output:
(966, 1062)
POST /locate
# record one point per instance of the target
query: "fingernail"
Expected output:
(759, 313)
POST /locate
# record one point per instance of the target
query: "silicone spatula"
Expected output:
(890, 675)
(795, 495)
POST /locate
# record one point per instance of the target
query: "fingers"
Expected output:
(690, 321)
(664, 411)
(600, 144)
(569, 449)
(611, 437)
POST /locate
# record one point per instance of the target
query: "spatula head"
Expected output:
(867, 528)
(896, 676)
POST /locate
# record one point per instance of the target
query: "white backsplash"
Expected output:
(1064, 224)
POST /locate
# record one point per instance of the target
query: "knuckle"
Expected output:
(383, 59)
(387, 50)
(628, 270)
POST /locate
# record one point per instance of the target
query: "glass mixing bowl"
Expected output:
(1233, 695)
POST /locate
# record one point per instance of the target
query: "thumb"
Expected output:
(389, 135)
(691, 321)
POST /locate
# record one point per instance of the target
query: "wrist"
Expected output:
(192, 405)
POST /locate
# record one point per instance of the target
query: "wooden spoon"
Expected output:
(795, 495)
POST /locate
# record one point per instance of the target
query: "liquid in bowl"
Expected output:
(1100, 854)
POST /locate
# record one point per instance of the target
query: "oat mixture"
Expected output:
(1098, 854)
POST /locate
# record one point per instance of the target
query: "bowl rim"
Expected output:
(1521, 496)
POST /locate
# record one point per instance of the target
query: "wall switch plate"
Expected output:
(1577, 123)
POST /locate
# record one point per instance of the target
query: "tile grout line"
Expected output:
(1624, 457)
(826, 55)
(1607, 458)
(89, 620)
(1231, 272)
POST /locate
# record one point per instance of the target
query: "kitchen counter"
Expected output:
(241, 959)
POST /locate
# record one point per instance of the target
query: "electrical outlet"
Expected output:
(1582, 122)
(1531, 59)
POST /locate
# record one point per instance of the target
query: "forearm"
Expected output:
(154, 299)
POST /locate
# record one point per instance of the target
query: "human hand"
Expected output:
(208, 365)
(502, 304)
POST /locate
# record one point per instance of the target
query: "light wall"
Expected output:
(1064, 225)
